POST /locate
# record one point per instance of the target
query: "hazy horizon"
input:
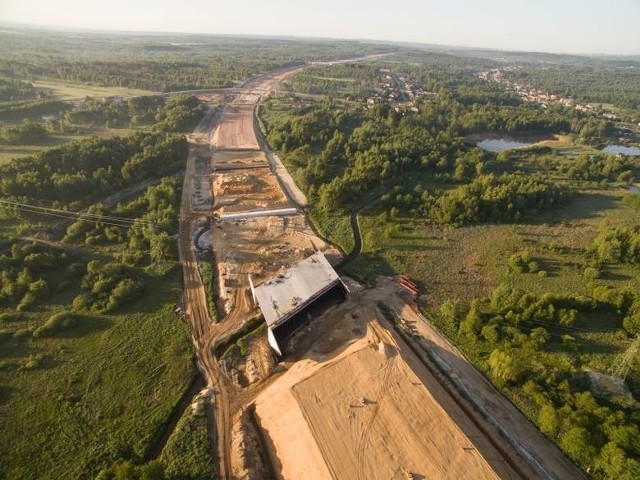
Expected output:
(589, 27)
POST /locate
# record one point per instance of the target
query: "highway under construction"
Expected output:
(353, 396)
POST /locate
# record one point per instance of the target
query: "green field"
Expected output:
(9, 152)
(468, 261)
(99, 392)
(68, 91)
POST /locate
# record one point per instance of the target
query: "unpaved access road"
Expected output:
(236, 131)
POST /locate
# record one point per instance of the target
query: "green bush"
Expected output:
(33, 362)
(23, 334)
(5, 334)
(10, 317)
(56, 323)
(591, 273)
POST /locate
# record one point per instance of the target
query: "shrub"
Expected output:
(23, 334)
(490, 333)
(505, 367)
(5, 334)
(33, 362)
(569, 343)
(55, 323)
(10, 316)
(591, 273)
(632, 324)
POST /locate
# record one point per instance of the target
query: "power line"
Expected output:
(125, 222)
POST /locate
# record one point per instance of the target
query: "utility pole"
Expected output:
(623, 362)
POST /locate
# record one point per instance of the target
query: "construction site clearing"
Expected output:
(360, 405)
(352, 396)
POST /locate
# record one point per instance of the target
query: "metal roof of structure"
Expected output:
(282, 297)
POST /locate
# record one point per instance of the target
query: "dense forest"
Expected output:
(78, 172)
(338, 152)
(182, 62)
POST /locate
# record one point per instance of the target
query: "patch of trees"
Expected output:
(177, 114)
(521, 336)
(600, 167)
(27, 132)
(115, 112)
(617, 244)
(337, 155)
(152, 235)
(31, 109)
(208, 281)
(92, 168)
(602, 84)
(144, 226)
(525, 117)
(107, 286)
(522, 262)
(16, 90)
(491, 198)
(599, 438)
(351, 80)
(27, 270)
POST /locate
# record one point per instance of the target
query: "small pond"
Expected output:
(622, 149)
(500, 144)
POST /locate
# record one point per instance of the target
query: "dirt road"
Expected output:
(522, 436)
(229, 129)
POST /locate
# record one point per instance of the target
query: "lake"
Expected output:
(622, 150)
(500, 144)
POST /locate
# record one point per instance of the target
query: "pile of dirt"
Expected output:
(246, 462)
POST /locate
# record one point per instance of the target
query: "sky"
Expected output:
(558, 26)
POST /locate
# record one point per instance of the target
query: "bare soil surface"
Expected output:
(247, 190)
(230, 133)
(236, 127)
(260, 247)
(361, 405)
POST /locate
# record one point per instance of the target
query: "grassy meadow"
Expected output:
(95, 394)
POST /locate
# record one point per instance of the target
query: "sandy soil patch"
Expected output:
(247, 190)
(235, 130)
(369, 409)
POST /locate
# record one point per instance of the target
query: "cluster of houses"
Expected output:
(531, 94)
(398, 89)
